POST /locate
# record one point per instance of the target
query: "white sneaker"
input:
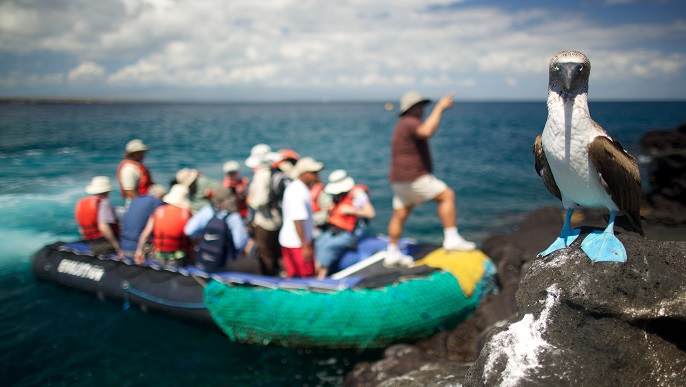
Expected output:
(458, 244)
(395, 259)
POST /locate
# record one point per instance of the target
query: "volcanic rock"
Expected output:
(594, 324)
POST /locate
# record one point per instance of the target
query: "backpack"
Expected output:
(215, 243)
(279, 182)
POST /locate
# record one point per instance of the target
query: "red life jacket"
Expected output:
(86, 214)
(167, 233)
(145, 181)
(346, 222)
(315, 191)
(241, 187)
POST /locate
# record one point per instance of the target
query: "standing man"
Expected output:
(411, 175)
(133, 177)
(266, 221)
(296, 232)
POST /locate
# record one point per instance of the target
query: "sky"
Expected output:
(337, 50)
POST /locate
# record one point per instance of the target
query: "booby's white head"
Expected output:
(568, 73)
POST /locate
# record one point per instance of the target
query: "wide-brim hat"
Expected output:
(261, 154)
(339, 182)
(305, 164)
(409, 100)
(187, 176)
(178, 196)
(224, 199)
(231, 166)
(136, 146)
(98, 185)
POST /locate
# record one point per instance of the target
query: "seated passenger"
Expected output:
(233, 179)
(348, 214)
(96, 219)
(136, 217)
(171, 246)
(219, 245)
(200, 187)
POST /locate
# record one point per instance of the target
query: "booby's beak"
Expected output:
(569, 74)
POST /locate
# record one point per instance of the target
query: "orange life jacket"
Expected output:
(343, 221)
(167, 233)
(86, 214)
(145, 181)
(241, 188)
(315, 191)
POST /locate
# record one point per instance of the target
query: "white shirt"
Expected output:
(297, 205)
(129, 176)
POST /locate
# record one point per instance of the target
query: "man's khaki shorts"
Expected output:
(416, 192)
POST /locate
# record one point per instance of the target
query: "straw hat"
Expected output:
(98, 185)
(261, 154)
(157, 190)
(231, 166)
(409, 100)
(224, 199)
(136, 146)
(178, 196)
(339, 182)
(305, 164)
(187, 176)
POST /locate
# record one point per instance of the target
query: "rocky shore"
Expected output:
(561, 320)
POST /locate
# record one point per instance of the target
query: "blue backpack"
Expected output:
(216, 242)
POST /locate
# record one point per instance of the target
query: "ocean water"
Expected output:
(55, 336)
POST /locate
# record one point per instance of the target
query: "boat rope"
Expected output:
(128, 289)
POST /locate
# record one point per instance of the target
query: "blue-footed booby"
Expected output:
(582, 165)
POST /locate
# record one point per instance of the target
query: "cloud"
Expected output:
(214, 44)
(86, 72)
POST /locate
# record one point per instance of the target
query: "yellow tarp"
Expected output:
(467, 266)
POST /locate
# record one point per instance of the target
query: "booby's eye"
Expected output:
(581, 68)
(556, 68)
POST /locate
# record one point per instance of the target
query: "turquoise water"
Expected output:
(48, 153)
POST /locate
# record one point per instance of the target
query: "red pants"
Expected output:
(294, 263)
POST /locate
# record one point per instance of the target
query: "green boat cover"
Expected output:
(356, 318)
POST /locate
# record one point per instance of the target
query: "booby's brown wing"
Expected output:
(620, 176)
(543, 169)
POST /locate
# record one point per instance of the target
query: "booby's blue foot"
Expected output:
(567, 236)
(603, 246)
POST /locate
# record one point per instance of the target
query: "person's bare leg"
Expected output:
(447, 212)
(446, 208)
(395, 225)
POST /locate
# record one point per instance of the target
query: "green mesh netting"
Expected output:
(351, 318)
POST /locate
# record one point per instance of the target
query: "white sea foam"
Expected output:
(521, 345)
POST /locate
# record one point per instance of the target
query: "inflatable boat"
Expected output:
(365, 305)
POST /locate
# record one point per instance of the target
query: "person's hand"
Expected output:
(307, 252)
(347, 209)
(446, 102)
(138, 256)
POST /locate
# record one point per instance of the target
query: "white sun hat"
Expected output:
(187, 176)
(98, 185)
(136, 146)
(339, 182)
(410, 99)
(305, 164)
(231, 166)
(178, 196)
(260, 154)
